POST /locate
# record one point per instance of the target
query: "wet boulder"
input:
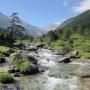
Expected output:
(40, 45)
(65, 60)
(11, 70)
(33, 69)
(32, 54)
(6, 54)
(31, 48)
(16, 74)
(32, 59)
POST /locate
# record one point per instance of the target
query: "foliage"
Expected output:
(66, 49)
(6, 78)
(72, 34)
(22, 65)
(24, 68)
(16, 30)
(3, 48)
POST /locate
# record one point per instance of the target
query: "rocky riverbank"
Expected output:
(54, 72)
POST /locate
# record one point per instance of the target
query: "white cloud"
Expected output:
(82, 6)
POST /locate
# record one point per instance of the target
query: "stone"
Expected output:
(65, 60)
(31, 48)
(16, 74)
(32, 59)
(7, 54)
(40, 45)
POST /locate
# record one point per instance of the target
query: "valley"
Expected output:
(54, 59)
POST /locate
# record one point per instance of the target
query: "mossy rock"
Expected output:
(6, 78)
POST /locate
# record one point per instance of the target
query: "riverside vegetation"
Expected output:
(23, 61)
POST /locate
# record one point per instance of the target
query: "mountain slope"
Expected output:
(72, 35)
(30, 29)
(80, 23)
(4, 21)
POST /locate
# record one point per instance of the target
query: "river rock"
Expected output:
(33, 70)
(40, 45)
(65, 60)
(31, 48)
(7, 54)
(32, 59)
(16, 74)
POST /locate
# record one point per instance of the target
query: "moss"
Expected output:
(6, 78)
(22, 65)
(3, 48)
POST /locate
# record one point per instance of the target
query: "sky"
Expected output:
(44, 12)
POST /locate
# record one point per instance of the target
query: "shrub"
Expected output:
(2, 60)
(22, 65)
(66, 49)
(6, 78)
(17, 64)
(24, 68)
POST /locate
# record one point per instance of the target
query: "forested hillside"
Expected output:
(72, 34)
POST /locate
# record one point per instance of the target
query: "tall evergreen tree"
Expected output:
(16, 27)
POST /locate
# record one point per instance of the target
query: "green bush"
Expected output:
(6, 78)
(2, 60)
(25, 66)
(17, 64)
(66, 49)
(22, 65)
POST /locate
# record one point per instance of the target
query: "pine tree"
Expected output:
(16, 27)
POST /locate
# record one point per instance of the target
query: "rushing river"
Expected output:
(56, 76)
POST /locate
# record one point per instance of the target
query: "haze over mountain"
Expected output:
(50, 27)
(30, 29)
